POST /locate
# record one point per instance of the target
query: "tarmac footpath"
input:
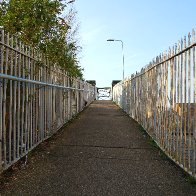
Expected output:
(102, 152)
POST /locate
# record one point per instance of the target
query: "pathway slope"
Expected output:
(101, 152)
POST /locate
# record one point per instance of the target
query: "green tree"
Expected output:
(40, 23)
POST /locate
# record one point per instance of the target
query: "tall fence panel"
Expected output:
(36, 99)
(162, 98)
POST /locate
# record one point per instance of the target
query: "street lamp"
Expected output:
(117, 40)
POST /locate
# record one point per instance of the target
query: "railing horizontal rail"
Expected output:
(18, 51)
(4, 76)
(164, 61)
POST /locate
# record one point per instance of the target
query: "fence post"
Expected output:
(1, 92)
(1, 97)
(194, 100)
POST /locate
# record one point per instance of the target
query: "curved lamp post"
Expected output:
(117, 40)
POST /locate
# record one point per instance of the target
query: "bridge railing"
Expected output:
(162, 98)
(36, 99)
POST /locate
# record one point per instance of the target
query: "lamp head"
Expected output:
(110, 40)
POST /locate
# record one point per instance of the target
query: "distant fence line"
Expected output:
(36, 99)
(162, 98)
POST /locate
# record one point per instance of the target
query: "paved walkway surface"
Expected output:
(102, 152)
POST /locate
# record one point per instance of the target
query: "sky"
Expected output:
(146, 27)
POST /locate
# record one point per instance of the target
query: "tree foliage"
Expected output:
(41, 23)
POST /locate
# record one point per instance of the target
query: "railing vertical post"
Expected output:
(174, 125)
(69, 99)
(77, 97)
(189, 109)
(194, 100)
(178, 101)
(1, 97)
(1, 112)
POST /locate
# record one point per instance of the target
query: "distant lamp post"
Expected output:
(117, 40)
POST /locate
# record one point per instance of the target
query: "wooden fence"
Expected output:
(36, 99)
(162, 98)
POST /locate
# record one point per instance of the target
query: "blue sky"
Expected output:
(147, 28)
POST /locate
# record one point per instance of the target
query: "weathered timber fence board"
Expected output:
(162, 98)
(36, 98)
